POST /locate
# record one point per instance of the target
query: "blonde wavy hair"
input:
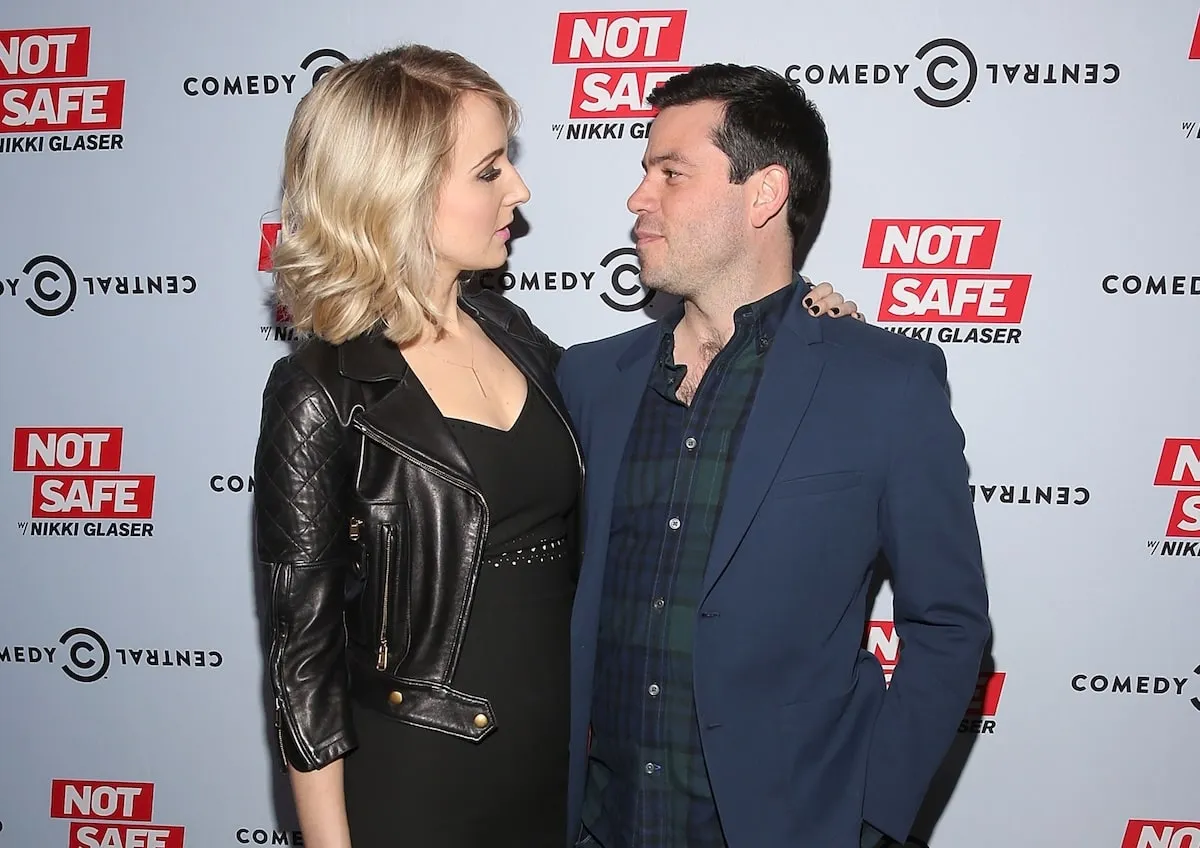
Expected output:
(366, 153)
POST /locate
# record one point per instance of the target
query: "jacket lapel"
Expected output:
(791, 373)
(396, 409)
(611, 420)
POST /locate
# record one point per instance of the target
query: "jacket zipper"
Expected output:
(279, 731)
(381, 661)
(283, 714)
(477, 556)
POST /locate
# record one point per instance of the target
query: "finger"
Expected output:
(818, 292)
(830, 304)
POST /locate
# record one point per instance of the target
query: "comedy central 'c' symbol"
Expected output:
(620, 287)
(322, 70)
(947, 89)
(82, 645)
(51, 300)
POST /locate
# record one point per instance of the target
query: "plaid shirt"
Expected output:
(647, 785)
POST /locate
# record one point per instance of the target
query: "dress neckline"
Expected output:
(481, 426)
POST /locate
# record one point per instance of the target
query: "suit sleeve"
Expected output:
(940, 603)
(568, 384)
(302, 471)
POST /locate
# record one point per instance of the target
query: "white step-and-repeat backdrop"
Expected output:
(1016, 182)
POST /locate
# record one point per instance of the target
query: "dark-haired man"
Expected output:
(747, 463)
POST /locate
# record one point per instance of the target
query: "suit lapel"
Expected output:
(612, 419)
(791, 373)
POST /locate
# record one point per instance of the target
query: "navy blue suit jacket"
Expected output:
(851, 449)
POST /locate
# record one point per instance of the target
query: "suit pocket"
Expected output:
(816, 484)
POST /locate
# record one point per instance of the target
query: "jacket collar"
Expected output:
(397, 407)
(795, 318)
(371, 357)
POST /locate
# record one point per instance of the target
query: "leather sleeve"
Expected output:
(303, 472)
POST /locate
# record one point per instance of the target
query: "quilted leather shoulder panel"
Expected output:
(302, 471)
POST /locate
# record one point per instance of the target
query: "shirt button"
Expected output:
(653, 690)
(674, 523)
(649, 768)
(690, 441)
(659, 603)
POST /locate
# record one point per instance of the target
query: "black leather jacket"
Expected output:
(370, 529)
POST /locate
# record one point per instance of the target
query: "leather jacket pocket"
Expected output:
(391, 598)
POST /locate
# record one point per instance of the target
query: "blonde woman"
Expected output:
(417, 477)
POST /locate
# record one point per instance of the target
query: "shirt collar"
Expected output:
(761, 318)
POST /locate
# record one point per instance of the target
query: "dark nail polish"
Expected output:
(837, 310)
(808, 301)
(814, 310)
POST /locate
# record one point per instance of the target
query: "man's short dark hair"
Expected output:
(767, 121)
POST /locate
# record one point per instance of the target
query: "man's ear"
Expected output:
(769, 194)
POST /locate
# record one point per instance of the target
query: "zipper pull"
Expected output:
(381, 660)
(355, 524)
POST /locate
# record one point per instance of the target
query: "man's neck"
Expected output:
(708, 317)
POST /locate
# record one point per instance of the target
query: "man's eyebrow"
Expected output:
(669, 156)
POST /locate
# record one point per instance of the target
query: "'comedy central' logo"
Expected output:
(50, 287)
(948, 72)
(86, 657)
(320, 62)
(624, 291)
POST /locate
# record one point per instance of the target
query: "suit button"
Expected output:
(481, 721)
(396, 699)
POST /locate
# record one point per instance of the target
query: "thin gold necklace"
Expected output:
(470, 367)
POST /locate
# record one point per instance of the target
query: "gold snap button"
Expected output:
(481, 721)
(396, 698)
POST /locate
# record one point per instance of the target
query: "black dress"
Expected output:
(409, 786)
